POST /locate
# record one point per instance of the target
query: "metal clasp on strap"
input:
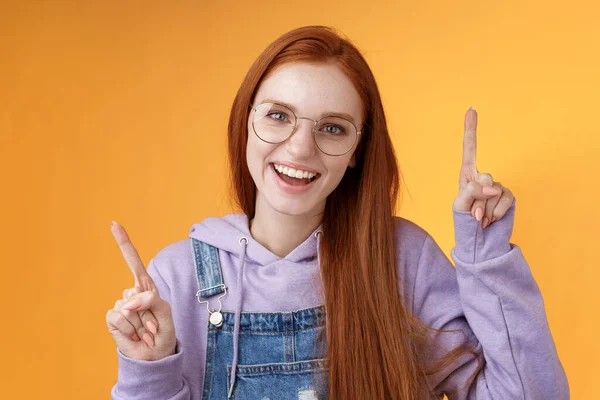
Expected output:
(208, 272)
(215, 318)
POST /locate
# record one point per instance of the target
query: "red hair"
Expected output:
(368, 357)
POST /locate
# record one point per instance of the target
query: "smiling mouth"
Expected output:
(294, 177)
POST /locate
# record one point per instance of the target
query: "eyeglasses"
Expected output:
(275, 123)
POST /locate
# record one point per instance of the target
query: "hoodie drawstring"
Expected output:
(238, 307)
(238, 314)
(318, 235)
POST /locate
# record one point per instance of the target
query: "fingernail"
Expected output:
(148, 339)
(132, 304)
(151, 326)
(493, 219)
(472, 108)
(136, 337)
(479, 213)
(485, 222)
(491, 191)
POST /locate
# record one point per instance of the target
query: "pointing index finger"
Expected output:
(142, 279)
(470, 140)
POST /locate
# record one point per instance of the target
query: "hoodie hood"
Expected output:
(225, 234)
(231, 235)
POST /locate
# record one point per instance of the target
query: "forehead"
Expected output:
(312, 90)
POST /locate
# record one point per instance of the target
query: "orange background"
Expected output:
(118, 110)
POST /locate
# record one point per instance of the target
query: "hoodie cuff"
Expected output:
(162, 378)
(476, 245)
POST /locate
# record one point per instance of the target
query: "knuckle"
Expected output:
(126, 329)
(140, 330)
(119, 319)
(128, 293)
(485, 178)
(155, 299)
(144, 314)
(125, 317)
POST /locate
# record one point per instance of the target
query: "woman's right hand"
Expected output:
(140, 323)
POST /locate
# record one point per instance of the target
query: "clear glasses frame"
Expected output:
(314, 129)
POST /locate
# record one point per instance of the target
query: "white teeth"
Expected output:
(294, 173)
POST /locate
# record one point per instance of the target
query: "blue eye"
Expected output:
(278, 116)
(334, 130)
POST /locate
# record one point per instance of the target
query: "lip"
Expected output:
(295, 166)
(286, 187)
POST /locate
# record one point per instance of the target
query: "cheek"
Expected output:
(337, 165)
(252, 157)
(257, 152)
(336, 170)
(253, 147)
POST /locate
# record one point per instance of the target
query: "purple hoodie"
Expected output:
(491, 296)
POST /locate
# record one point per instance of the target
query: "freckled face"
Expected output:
(311, 90)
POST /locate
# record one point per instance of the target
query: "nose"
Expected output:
(301, 145)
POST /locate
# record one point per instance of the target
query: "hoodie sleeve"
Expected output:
(495, 305)
(162, 379)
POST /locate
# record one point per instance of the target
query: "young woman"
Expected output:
(316, 290)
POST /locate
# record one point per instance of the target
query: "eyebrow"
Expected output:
(330, 114)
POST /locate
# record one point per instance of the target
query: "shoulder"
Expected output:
(424, 270)
(409, 239)
(173, 264)
(173, 253)
(408, 230)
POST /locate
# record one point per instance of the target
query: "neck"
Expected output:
(282, 233)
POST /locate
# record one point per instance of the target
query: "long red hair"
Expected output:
(369, 356)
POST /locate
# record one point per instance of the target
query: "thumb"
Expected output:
(471, 192)
(149, 300)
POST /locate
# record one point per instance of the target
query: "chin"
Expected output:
(293, 208)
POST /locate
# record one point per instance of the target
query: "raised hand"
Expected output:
(487, 200)
(141, 322)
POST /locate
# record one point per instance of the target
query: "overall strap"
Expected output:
(208, 269)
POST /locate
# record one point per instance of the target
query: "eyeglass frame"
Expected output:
(316, 122)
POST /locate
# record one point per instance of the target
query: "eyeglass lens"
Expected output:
(274, 123)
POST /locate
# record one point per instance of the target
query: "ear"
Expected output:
(352, 162)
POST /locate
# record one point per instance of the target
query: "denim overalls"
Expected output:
(276, 355)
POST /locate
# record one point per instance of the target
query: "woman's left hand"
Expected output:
(478, 193)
